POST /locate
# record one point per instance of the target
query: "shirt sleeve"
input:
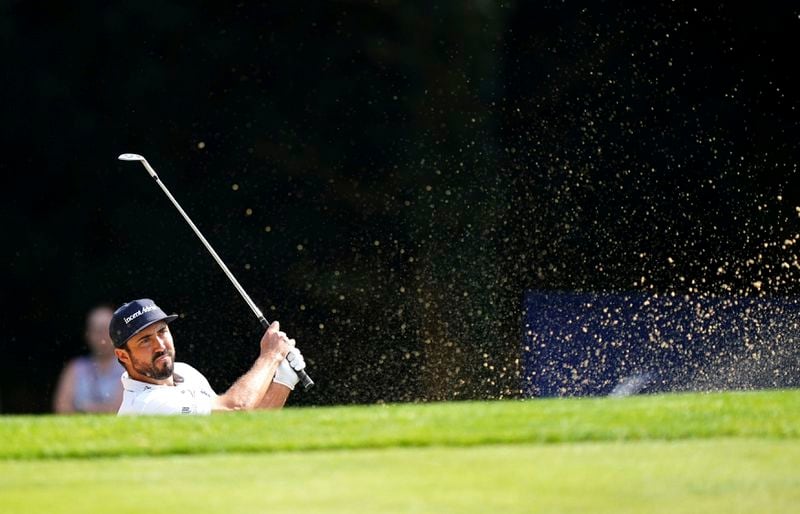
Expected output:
(199, 380)
(205, 396)
(206, 386)
(204, 402)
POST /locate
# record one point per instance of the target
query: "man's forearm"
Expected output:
(275, 398)
(247, 392)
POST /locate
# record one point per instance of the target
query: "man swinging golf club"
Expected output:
(154, 383)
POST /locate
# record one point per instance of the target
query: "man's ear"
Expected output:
(122, 356)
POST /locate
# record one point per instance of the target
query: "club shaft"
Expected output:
(304, 378)
(208, 246)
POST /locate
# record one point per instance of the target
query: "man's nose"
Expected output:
(161, 343)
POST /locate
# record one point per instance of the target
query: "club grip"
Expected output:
(304, 378)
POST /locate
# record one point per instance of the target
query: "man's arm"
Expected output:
(285, 379)
(275, 397)
(62, 401)
(246, 392)
(251, 388)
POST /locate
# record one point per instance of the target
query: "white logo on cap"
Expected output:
(138, 313)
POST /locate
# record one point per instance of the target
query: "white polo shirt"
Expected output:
(191, 394)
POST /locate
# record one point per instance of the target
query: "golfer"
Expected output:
(154, 383)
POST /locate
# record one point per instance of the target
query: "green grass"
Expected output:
(725, 452)
(774, 414)
(682, 476)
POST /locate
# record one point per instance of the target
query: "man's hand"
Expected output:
(287, 371)
(295, 358)
(275, 343)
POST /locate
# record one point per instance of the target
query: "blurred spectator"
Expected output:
(92, 383)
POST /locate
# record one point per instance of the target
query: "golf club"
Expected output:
(304, 378)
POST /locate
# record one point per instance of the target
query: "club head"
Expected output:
(130, 157)
(137, 157)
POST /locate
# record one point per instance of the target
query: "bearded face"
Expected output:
(150, 353)
(159, 367)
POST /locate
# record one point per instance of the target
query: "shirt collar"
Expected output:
(137, 385)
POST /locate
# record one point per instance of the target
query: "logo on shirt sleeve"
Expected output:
(186, 410)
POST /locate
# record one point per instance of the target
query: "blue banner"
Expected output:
(577, 344)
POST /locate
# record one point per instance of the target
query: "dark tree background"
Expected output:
(385, 178)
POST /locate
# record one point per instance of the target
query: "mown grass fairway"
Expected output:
(730, 452)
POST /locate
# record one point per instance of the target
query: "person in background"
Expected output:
(91, 383)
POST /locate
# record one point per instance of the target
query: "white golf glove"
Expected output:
(288, 368)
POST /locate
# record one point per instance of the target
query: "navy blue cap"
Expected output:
(133, 317)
